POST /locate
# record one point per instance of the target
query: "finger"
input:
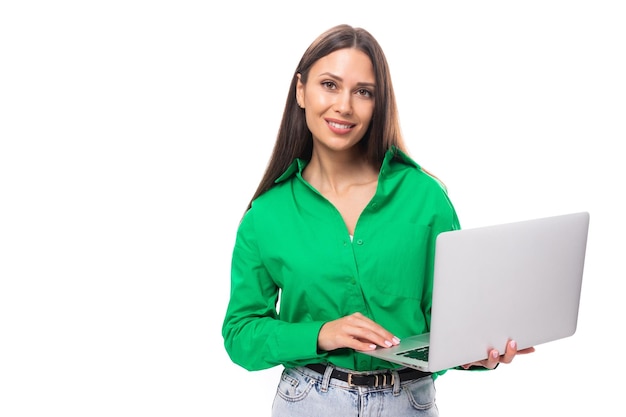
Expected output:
(366, 330)
(493, 359)
(510, 352)
(360, 346)
(526, 351)
(375, 336)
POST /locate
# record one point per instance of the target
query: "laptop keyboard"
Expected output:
(420, 353)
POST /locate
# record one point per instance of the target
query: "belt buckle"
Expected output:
(375, 380)
(350, 380)
(354, 385)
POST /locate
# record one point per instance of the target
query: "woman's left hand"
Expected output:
(495, 358)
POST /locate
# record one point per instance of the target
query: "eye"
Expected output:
(364, 92)
(329, 85)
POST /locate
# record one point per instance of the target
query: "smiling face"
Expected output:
(338, 98)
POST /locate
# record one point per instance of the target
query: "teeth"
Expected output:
(339, 126)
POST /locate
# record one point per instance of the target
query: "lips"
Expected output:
(339, 127)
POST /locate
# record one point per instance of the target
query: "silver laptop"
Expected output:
(519, 281)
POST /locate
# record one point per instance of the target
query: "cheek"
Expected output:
(309, 118)
(319, 102)
(366, 111)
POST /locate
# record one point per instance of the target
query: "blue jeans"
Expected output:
(303, 392)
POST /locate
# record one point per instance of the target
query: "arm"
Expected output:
(254, 336)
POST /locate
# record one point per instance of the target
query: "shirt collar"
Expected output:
(392, 154)
(296, 167)
(396, 154)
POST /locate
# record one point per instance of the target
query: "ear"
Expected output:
(300, 91)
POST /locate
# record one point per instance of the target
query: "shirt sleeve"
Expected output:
(254, 336)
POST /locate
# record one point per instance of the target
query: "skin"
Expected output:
(338, 100)
(339, 103)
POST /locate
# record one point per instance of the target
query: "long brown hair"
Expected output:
(294, 139)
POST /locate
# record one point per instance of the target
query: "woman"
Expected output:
(337, 242)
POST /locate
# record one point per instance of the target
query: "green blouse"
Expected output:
(295, 267)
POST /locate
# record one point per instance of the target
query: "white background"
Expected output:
(133, 134)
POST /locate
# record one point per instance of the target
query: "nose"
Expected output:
(343, 105)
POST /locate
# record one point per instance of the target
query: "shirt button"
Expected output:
(359, 242)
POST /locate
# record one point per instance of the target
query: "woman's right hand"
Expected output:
(354, 331)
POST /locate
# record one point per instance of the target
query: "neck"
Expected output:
(338, 171)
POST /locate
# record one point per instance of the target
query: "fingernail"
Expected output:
(372, 346)
(396, 340)
(388, 343)
(494, 354)
(512, 344)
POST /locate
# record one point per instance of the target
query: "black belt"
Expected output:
(370, 380)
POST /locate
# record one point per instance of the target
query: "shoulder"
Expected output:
(414, 174)
(269, 206)
(406, 183)
(274, 197)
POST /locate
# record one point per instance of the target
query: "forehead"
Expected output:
(345, 63)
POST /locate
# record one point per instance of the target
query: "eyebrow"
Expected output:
(359, 84)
